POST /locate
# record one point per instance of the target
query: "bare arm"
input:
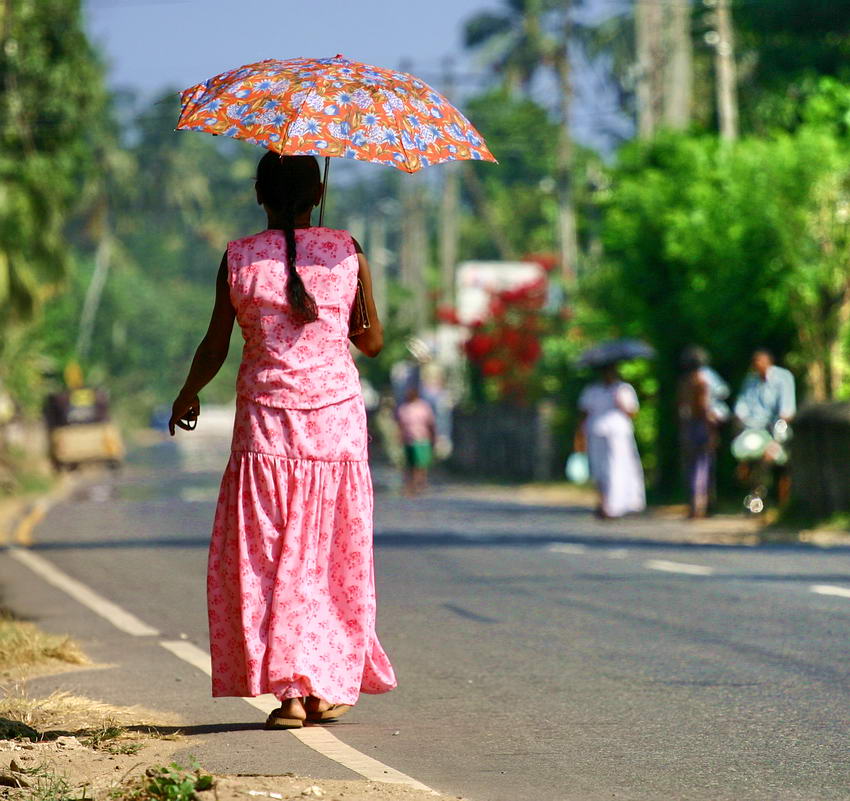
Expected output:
(209, 357)
(580, 438)
(371, 340)
(628, 405)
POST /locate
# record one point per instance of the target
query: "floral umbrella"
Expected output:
(333, 107)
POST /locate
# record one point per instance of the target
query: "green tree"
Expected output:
(724, 245)
(51, 105)
(522, 39)
(513, 40)
(784, 48)
(51, 98)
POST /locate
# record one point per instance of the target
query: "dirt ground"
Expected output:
(70, 748)
(67, 768)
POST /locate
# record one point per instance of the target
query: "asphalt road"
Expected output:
(541, 655)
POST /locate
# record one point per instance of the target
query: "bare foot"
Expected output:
(320, 710)
(289, 715)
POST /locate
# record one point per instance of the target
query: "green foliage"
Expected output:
(51, 101)
(144, 336)
(732, 247)
(515, 40)
(176, 783)
(784, 48)
(521, 193)
(191, 194)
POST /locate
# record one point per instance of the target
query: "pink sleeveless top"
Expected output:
(284, 364)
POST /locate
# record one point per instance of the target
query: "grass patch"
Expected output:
(67, 711)
(44, 784)
(159, 732)
(108, 737)
(104, 735)
(24, 645)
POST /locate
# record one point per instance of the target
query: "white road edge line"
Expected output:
(830, 589)
(678, 567)
(315, 737)
(118, 617)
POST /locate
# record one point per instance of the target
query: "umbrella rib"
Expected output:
(294, 117)
(397, 115)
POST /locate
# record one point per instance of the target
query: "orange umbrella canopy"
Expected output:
(334, 107)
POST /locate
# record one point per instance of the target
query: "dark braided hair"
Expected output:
(289, 185)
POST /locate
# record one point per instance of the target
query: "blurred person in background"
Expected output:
(417, 426)
(702, 410)
(290, 582)
(606, 432)
(768, 401)
(436, 392)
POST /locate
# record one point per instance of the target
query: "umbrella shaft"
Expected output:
(324, 192)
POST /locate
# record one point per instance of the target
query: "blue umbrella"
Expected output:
(618, 350)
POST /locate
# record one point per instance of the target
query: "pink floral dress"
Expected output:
(290, 584)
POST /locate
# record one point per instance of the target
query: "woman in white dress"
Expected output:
(607, 433)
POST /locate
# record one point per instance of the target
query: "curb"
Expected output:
(21, 530)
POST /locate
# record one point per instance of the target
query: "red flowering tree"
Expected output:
(504, 347)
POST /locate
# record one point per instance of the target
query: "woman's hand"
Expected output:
(184, 413)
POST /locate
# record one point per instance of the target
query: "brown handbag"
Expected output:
(358, 321)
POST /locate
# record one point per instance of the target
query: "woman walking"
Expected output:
(290, 584)
(607, 433)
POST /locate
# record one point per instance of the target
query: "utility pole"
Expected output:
(567, 228)
(414, 246)
(679, 68)
(414, 241)
(94, 292)
(725, 72)
(449, 208)
(649, 27)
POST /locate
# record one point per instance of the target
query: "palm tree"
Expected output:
(518, 41)
(649, 44)
(513, 39)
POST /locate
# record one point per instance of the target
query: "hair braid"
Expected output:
(303, 304)
(288, 184)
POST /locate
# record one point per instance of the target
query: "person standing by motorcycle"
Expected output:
(768, 402)
(702, 398)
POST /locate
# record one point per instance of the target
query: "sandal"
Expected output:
(279, 720)
(316, 715)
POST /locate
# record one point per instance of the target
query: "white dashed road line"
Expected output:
(831, 589)
(567, 548)
(678, 567)
(315, 737)
(118, 617)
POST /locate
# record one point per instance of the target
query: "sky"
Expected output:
(155, 44)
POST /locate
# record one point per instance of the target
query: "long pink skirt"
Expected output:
(290, 584)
